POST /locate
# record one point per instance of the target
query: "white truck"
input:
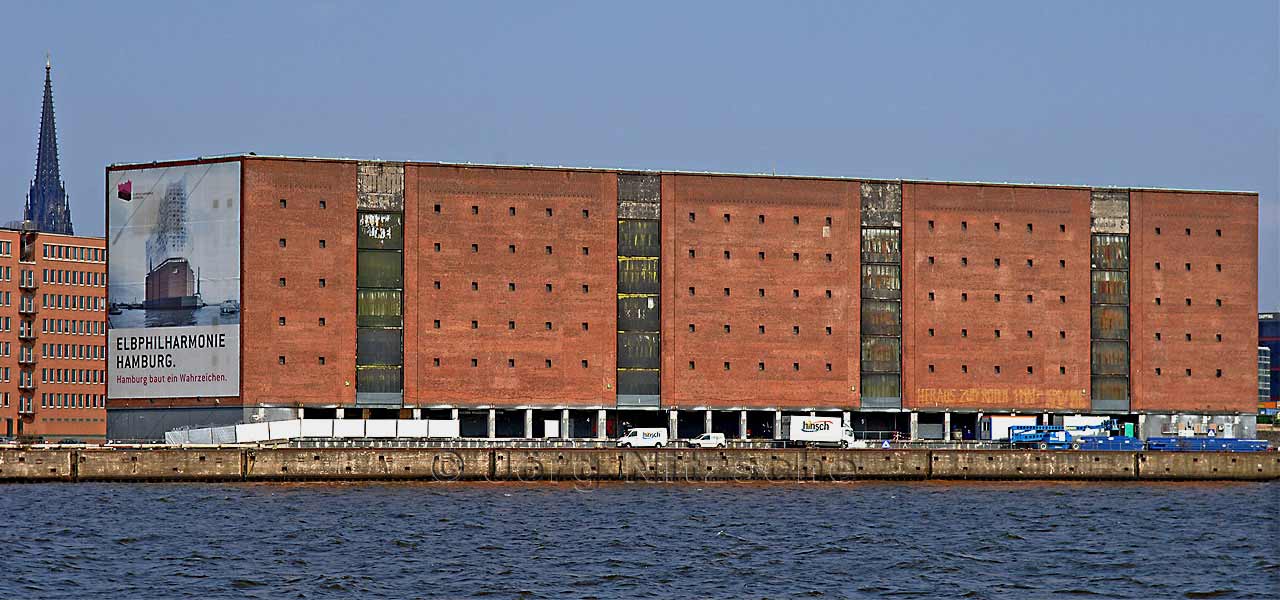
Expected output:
(643, 437)
(817, 431)
(996, 427)
(708, 440)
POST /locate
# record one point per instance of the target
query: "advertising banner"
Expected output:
(173, 243)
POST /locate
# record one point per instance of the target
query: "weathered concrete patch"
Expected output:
(195, 464)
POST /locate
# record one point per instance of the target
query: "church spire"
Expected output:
(47, 204)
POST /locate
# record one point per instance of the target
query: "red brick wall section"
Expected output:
(302, 340)
(708, 347)
(1236, 250)
(1060, 231)
(493, 305)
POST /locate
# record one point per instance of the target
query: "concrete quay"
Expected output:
(610, 464)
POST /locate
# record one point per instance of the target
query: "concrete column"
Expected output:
(777, 424)
(673, 424)
(301, 412)
(453, 414)
(493, 423)
(846, 418)
(417, 413)
(915, 425)
(1047, 419)
(1142, 427)
(706, 422)
(742, 424)
(602, 431)
(564, 423)
(946, 426)
(341, 413)
(528, 423)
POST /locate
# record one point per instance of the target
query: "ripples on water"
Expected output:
(917, 540)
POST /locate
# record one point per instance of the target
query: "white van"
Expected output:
(708, 440)
(644, 437)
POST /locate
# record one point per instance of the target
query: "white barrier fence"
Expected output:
(271, 431)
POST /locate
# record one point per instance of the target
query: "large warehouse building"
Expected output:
(257, 288)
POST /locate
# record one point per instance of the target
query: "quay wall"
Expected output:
(611, 464)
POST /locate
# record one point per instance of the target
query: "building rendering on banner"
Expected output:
(1269, 363)
(47, 208)
(515, 298)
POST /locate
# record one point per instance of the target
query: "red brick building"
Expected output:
(52, 328)
(510, 295)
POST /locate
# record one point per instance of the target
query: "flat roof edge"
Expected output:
(253, 156)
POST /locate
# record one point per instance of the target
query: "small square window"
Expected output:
(586, 288)
(547, 287)
(1062, 334)
(964, 226)
(761, 329)
(1188, 300)
(931, 296)
(997, 297)
(964, 333)
(547, 325)
(795, 293)
(436, 284)
(1062, 370)
(930, 368)
(726, 291)
(930, 260)
(475, 362)
(1031, 262)
(282, 282)
(795, 330)
(760, 366)
(1218, 267)
(1186, 266)
(282, 321)
(727, 329)
(547, 363)
(1187, 336)
(282, 242)
(828, 221)
(692, 253)
(1159, 371)
(1157, 336)
(1157, 231)
(691, 290)
(1030, 298)
(511, 211)
(1157, 300)
(997, 333)
(435, 361)
(323, 205)
(761, 217)
(1217, 373)
(321, 360)
(726, 217)
(997, 369)
(1030, 334)
(1062, 263)
(1062, 299)
(1029, 228)
(547, 249)
(930, 332)
(964, 261)
(828, 257)
(964, 296)
(930, 225)
(795, 366)
(997, 226)
(693, 217)
(549, 213)
(691, 365)
(760, 292)
(322, 282)
(828, 330)
(795, 220)
(585, 364)
(586, 251)
(1218, 232)
(795, 256)
(475, 324)
(1219, 337)
(475, 210)
(1188, 230)
(828, 293)
(828, 367)
(1030, 371)
(321, 321)
(964, 368)
(283, 203)
(586, 213)
(436, 324)
(511, 324)
(726, 255)
(692, 328)
(321, 243)
(586, 326)
(1218, 301)
(437, 246)
(1188, 372)
(280, 358)
(726, 365)
(475, 286)
(1157, 265)
(511, 286)
(475, 247)
(1062, 228)
(511, 248)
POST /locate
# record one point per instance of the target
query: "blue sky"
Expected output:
(1168, 94)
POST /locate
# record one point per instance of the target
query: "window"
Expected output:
(547, 287)
(1062, 299)
(586, 326)
(547, 249)
(964, 368)
(795, 366)
(828, 330)
(1062, 263)
(1218, 373)
(931, 296)
(321, 360)
(1062, 334)
(1188, 301)
(1062, 228)
(511, 362)
(1031, 262)
(930, 224)
(1030, 334)
(692, 328)
(282, 242)
(997, 296)
(435, 362)
(1186, 266)
(282, 282)
(964, 333)
(436, 324)
(1187, 336)
(930, 332)
(828, 257)
(511, 324)
(436, 284)
(760, 292)
(795, 256)
(795, 220)
(760, 366)
(997, 369)
(726, 217)
(321, 243)
(511, 248)
(691, 366)
(828, 293)
(692, 253)
(1157, 265)
(1188, 231)
(930, 260)
(283, 203)
(1157, 300)
(795, 330)
(321, 322)
(1218, 232)
(475, 324)
(828, 367)
(1218, 267)
(324, 206)
(282, 321)
(586, 213)
(549, 213)
(1030, 371)
(322, 282)
(475, 210)
(761, 328)
(997, 226)
(964, 296)
(693, 217)
(1157, 231)
(511, 211)
(586, 288)
(997, 333)
(727, 329)
(726, 255)
(437, 246)
(511, 286)
(726, 365)
(1158, 371)
(475, 247)
(280, 359)
(1157, 336)
(1188, 372)
(761, 217)
(691, 290)
(475, 286)
(1030, 298)
(1029, 228)
(547, 325)
(586, 251)
(475, 362)
(964, 226)
(726, 291)
(585, 364)
(1219, 337)
(760, 255)
(964, 261)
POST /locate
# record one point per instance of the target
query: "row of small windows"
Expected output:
(1187, 337)
(728, 218)
(760, 366)
(72, 326)
(964, 297)
(1187, 266)
(284, 242)
(997, 369)
(795, 329)
(1187, 231)
(436, 362)
(65, 252)
(1187, 372)
(964, 226)
(1187, 301)
(74, 277)
(795, 256)
(475, 324)
(795, 293)
(71, 302)
(72, 376)
(71, 400)
(1062, 334)
(284, 203)
(72, 351)
(964, 262)
(511, 211)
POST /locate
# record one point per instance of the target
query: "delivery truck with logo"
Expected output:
(817, 431)
(643, 437)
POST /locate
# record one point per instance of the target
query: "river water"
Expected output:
(830, 540)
